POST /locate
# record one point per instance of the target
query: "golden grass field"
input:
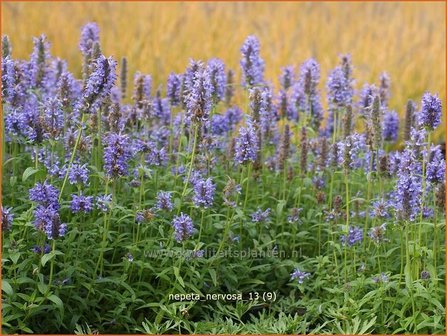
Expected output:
(405, 39)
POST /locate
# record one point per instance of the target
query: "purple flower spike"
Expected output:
(260, 216)
(310, 76)
(103, 202)
(354, 236)
(339, 90)
(246, 145)
(407, 198)
(183, 227)
(47, 219)
(139, 217)
(38, 71)
(384, 89)
(367, 95)
(164, 201)
(45, 194)
(390, 126)
(381, 278)
(53, 122)
(203, 192)
(7, 218)
(380, 209)
(251, 63)
(436, 166)
(78, 174)
(218, 79)
(161, 109)
(8, 79)
(287, 77)
(157, 157)
(430, 115)
(41, 250)
(89, 35)
(81, 203)
(299, 275)
(198, 102)
(173, 88)
(377, 233)
(99, 85)
(116, 155)
(234, 116)
(219, 124)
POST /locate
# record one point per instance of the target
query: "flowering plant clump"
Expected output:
(311, 201)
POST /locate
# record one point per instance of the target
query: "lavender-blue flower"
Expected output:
(7, 218)
(260, 216)
(173, 88)
(384, 88)
(199, 99)
(338, 88)
(390, 126)
(99, 84)
(287, 77)
(46, 219)
(309, 76)
(354, 236)
(45, 194)
(435, 170)
(204, 193)
(251, 62)
(430, 115)
(183, 227)
(89, 35)
(218, 78)
(78, 174)
(246, 146)
(81, 203)
(407, 196)
(103, 202)
(299, 275)
(377, 233)
(164, 201)
(116, 155)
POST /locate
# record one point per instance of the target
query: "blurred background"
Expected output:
(405, 39)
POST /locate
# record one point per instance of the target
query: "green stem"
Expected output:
(229, 220)
(247, 185)
(435, 233)
(347, 200)
(424, 187)
(78, 139)
(191, 162)
(201, 226)
(332, 175)
(53, 248)
(104, 236)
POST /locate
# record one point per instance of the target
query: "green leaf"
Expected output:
(213, 276)
(253, 282)
(14, 257)
(30, 171)
(57, 301)
(43, 288)
(307, 182)
(12, 181)
(407, 272)
(280, 206)
(24, 328)
(367, 326)
(178, 277)
(47, 257)
(6, 287)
